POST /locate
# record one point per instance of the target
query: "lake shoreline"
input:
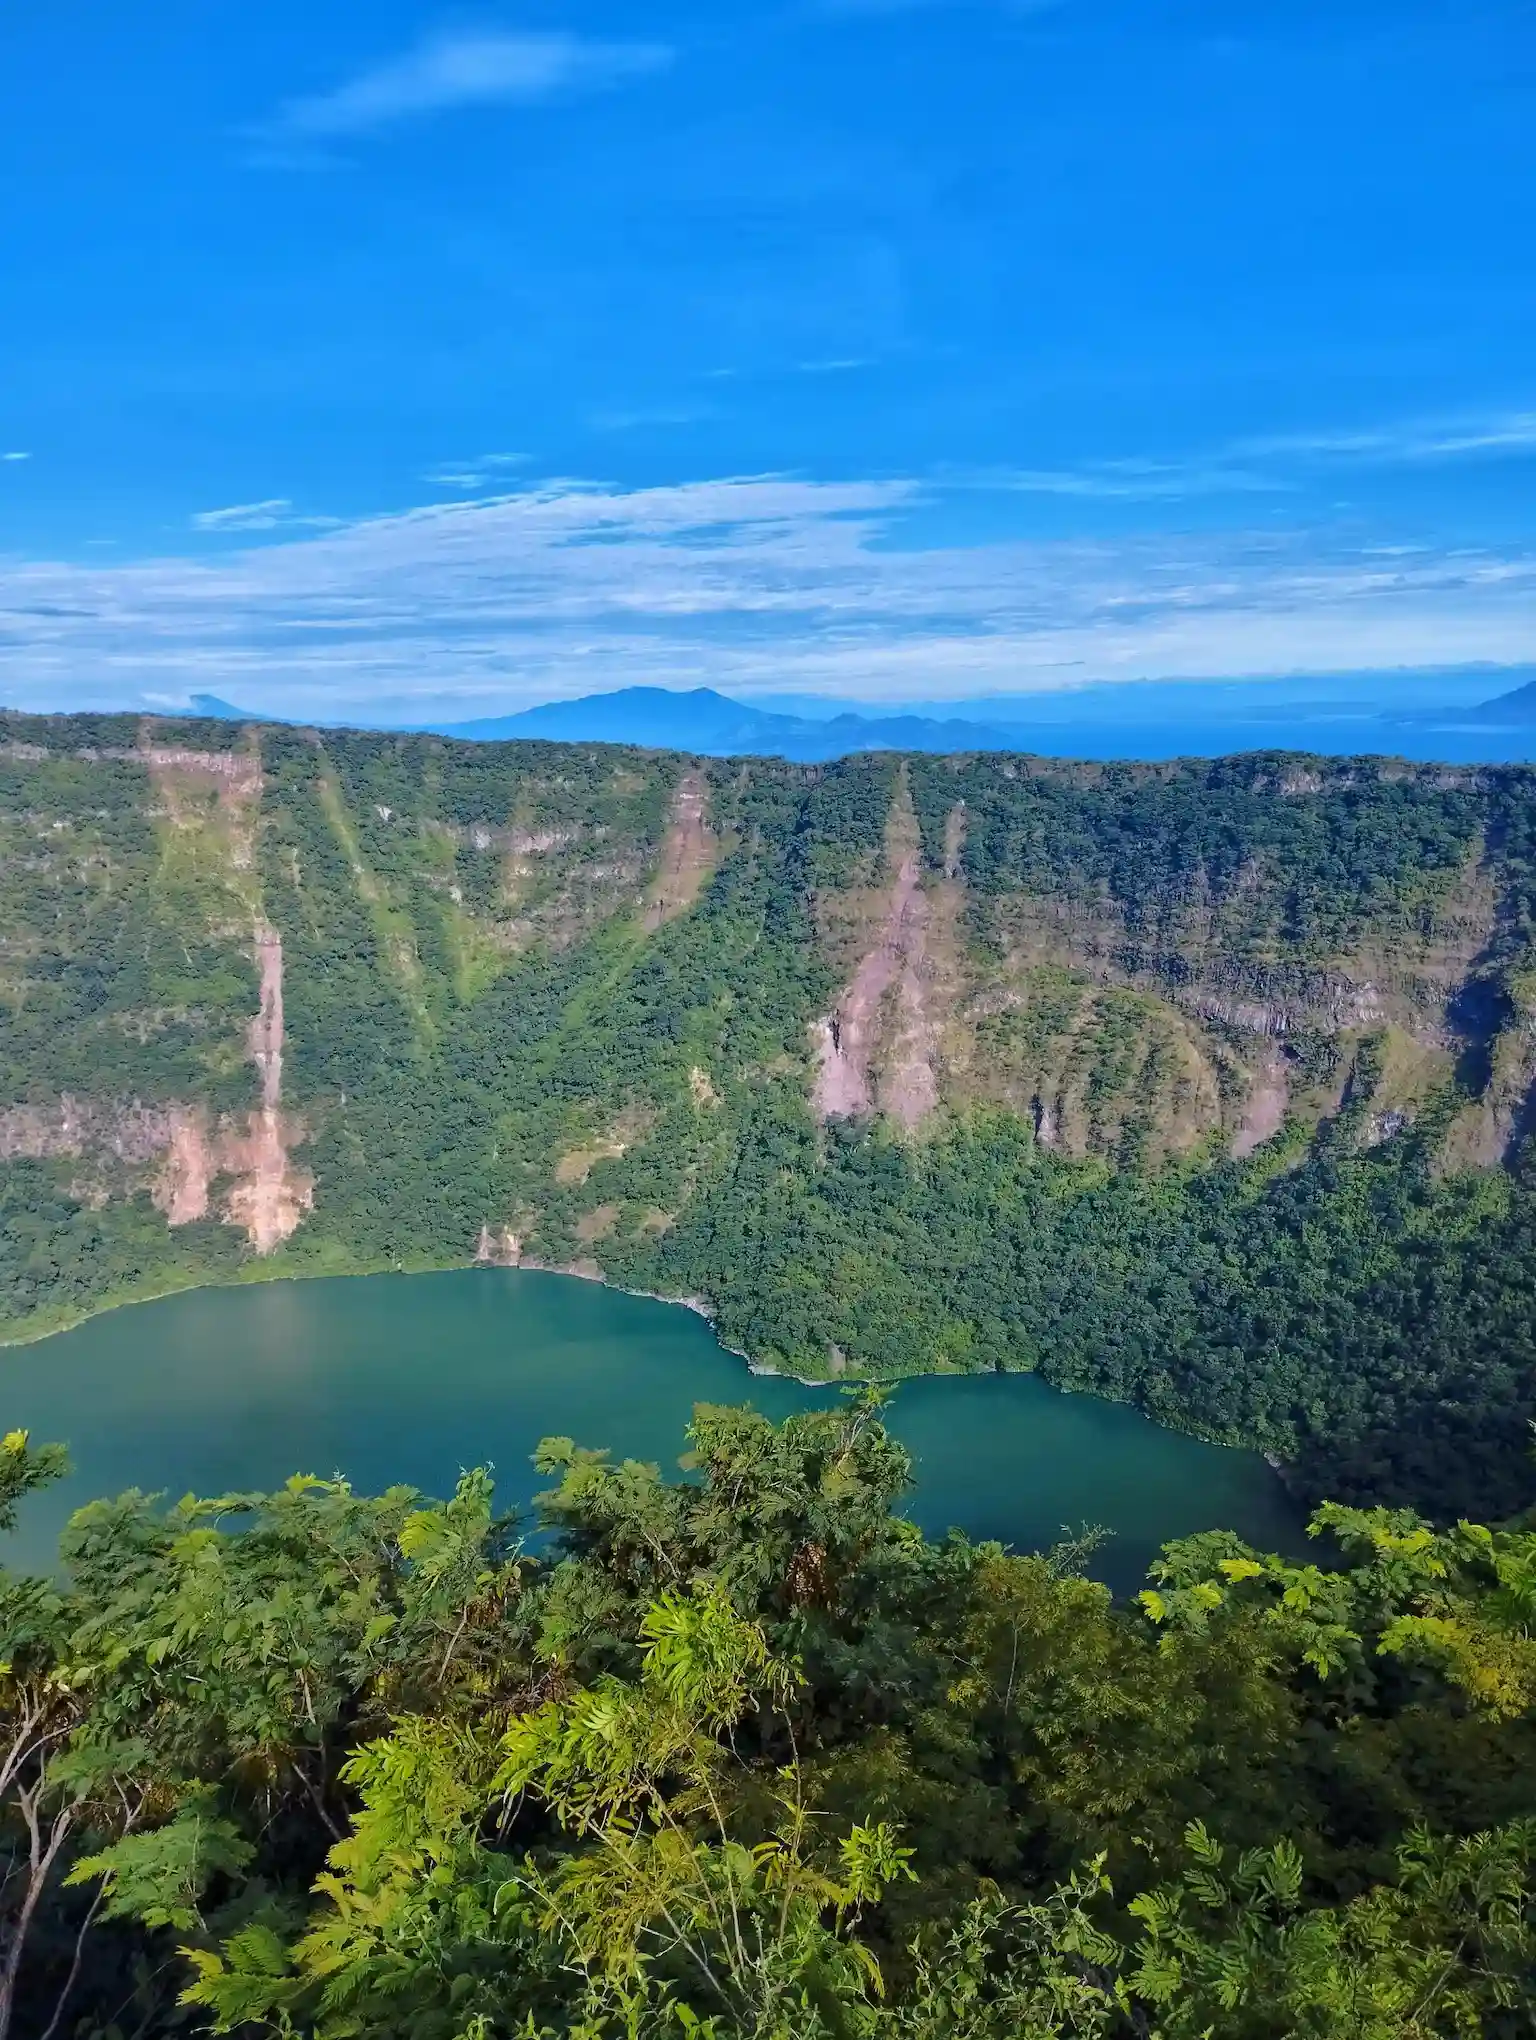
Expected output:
(699, 1305)
(255, 1274)
(259, 1274)
(389, 1383)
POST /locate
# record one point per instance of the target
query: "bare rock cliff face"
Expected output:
(688, 854)
(1138, 1043)
(269, 1196)
(861, 1034)
(176, 1152)
(884, 1046)
(204, 808)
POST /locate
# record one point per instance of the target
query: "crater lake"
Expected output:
(409, 1378)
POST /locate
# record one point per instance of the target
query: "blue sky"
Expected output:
(372, 357)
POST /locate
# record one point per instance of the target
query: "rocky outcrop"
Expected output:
(265, 1038)
(270, 1196)
(1102, 1070)
(498, 1247)
(267, 1195)
(206, 811)
(908, 1086)
(1231, 963)
(512, 842)
(239, 770)
(176, 1151)
(687, 854)
(891, 1032)
(848, 1039)
(1264, 1107)
(192, 1161)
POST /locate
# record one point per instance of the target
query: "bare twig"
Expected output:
(74, 1968)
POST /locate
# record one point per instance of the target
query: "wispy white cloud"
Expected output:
(1280, 463)
(245, 516)
(15, 456)
(275, 514)
(767, 583)
(1513, 434)
(1403, 443)
(464, 69)
(478, 473)
(1124, 480)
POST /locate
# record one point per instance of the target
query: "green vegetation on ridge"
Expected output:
(489, 1035)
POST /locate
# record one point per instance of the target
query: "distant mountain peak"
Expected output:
(1519, 705)
(709, 723)
(212, 709)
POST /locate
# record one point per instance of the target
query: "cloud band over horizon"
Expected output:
(748, 584)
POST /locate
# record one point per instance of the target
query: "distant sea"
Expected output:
(1219, 737)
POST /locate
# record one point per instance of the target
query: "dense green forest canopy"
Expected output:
(746, 1758)
(1205, 1085)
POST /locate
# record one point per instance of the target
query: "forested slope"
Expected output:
(1203, 1085)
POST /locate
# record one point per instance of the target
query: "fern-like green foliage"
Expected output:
(158, 1875)
(745, 1757)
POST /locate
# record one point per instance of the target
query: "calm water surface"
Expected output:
(390, 1378)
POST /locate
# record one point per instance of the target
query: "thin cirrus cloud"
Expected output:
(275, 513)
(1277, 464)
(1130, 481)
(463, 70)
(746, 583)
(15, 456)
(479, 473)
(1509, 432)
(265, 516)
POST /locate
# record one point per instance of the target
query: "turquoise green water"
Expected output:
(391, 1378)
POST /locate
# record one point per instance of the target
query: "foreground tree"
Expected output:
(747, 1758)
